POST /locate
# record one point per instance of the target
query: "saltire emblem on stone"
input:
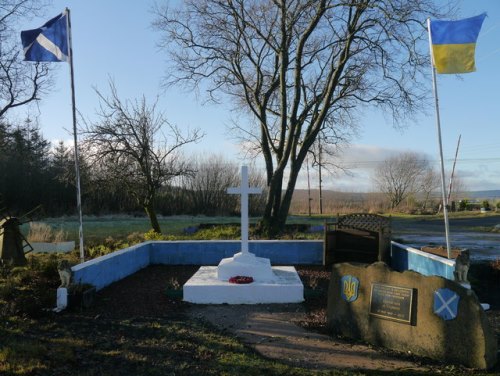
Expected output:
(446, 304)
(349, 288)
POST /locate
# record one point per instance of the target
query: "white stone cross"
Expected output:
(244, 190)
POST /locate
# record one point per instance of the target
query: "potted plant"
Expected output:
(173, 289)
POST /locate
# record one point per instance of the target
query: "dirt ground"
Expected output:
(292, 333)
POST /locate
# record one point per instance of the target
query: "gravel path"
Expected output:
(273, 331)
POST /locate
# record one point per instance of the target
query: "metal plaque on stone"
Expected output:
(392, 303)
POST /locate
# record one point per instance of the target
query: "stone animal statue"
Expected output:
(64, 269)
(462, 263)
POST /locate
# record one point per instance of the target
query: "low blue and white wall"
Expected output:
(115, 266)
(104, 270)
(404, 258)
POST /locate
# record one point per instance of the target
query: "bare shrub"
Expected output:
(39, 232)
(206, 189)
(338, 202)
(43, 233)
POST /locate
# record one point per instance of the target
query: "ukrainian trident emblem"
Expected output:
(349, 288)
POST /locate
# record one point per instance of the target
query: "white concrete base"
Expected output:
(205, 288)
(465, 285)
(62, 299)
(485, 306)
(245, 264)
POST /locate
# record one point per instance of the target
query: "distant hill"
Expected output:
(349, 202)
(492, 194)
(335, 202)
(302, 193)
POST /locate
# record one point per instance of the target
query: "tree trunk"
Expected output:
(151, 212)
(274, 220)
(268, 225)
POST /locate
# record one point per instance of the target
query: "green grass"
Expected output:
(87, 346)
(97, 229)
(80, 345)
(451, 215)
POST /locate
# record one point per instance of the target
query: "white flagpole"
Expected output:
(438, 124)
(453, 169)
(75, 138)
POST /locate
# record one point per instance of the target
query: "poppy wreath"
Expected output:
(240, 280)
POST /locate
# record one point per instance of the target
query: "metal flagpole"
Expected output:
(453, 169)
(309, 199)
(319, 176)
(438, 125)
(75, 138)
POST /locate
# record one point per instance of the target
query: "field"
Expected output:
(97, 229)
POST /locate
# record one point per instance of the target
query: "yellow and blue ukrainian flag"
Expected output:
(454, 44)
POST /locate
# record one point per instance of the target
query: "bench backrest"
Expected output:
(357, 238)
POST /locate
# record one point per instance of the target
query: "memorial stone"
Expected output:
(426, 315)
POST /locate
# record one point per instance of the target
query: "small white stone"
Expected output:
(62, 298)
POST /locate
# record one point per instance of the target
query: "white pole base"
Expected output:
(245, 264)
(62, 299)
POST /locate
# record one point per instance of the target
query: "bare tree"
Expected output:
(128, 144)
(20, 82)
(208, 186)
(399, 176)
(430, 182)
(299, 67)
(459, 189)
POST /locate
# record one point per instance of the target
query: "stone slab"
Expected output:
(205, 288)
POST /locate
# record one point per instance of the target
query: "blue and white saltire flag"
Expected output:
(446, 303)
(49, 42)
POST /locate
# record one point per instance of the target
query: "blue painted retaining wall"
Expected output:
(115, 266)
(408, 258)
(104, 270)
(110, 268)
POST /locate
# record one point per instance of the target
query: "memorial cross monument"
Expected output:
(244, 263)
(244, 190)
(210, 284)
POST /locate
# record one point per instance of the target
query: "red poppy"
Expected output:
(240, 280)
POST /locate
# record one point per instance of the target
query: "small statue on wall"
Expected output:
(64, 269)
(462, 264)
